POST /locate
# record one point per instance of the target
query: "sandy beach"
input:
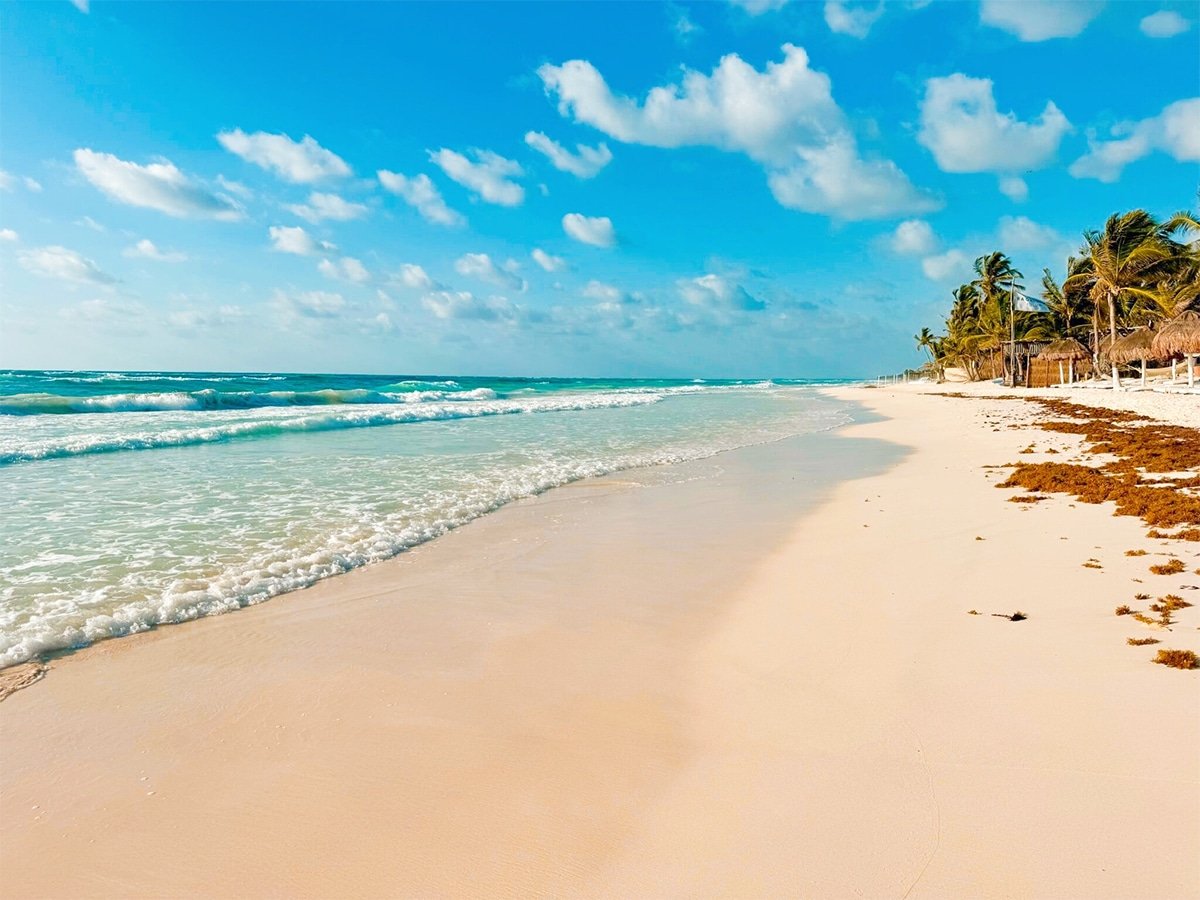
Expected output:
(751, 675)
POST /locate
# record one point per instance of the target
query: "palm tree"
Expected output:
(1125, 261)
(996, 278)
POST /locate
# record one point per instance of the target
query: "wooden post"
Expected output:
(1061, 379)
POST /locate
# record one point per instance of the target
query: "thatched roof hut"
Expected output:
(1067, 348)
(1133, 347)
(1179, 336)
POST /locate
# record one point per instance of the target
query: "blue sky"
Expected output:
(759, 188)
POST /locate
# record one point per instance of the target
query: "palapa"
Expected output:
(1066, 349)
(1133, 347)
(1179, 336)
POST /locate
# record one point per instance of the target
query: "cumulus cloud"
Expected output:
(413, 276)
(309, 305)
(1175, 131)
(345, 269)
(585, 162)
(719, 293)
(962, 127)
(1165, 23)
(82, 5)
(946, 266)
(300, 162)
(1014, 188)
(783, 117)
(465, 305)
(158, 186)
(1038, 20)
(481, 267)
(913, 237)
(421, 194)
(854, 19)
(146, 249)
(595, 230)
(1020, 233)
(63, 264)
(297, 241)
(6, 180)
(758, 7)
(7, 234)
(489, 176)
(327, 206)
(548, 262)
(603, 293)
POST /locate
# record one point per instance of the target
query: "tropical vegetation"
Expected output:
(1135, 271)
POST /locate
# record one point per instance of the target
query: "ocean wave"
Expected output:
(211, 399)
(83, 444)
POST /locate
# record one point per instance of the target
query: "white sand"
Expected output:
(608, 692)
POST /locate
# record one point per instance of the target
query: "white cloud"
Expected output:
(1022, 233)
(32, 184)
(145, 249)
(158, 186)
(716, 292)
(833, 180)
(949, 265)
(603, 293)
(1165, 23)
(7, 234)
(89, 222)
(846, 17)
(413, 276)
(420, 193)
(465, 305)
(681, 23)
(327, 206)
(597, 231)
(309, 305)
(758, 7)
(548, 262)
(913, 237)
(1175, 131)
(1014, 188)
(297, 241)
(966, 133)
(300, 162)
(6, 180)
(200, 319)
(489, 176)
(783, 117)
(235, 187)
(480, 266)
(81, 5)
(585, 162)
(1039, 20)
(63, 264)
(345, 269)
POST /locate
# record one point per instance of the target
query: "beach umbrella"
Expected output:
(1179, 337)
(1067, 349)
(1135, 346)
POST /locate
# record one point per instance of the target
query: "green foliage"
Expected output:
(1133, 271)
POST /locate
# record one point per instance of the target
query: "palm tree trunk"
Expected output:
(1112, 328)
(1095, 341)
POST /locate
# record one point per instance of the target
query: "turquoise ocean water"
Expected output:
(135, 499)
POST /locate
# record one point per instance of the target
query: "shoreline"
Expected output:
(19, 676)
(709, 717)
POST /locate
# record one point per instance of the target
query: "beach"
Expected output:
(750, 674)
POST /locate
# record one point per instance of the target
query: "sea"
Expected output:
(133, 500)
